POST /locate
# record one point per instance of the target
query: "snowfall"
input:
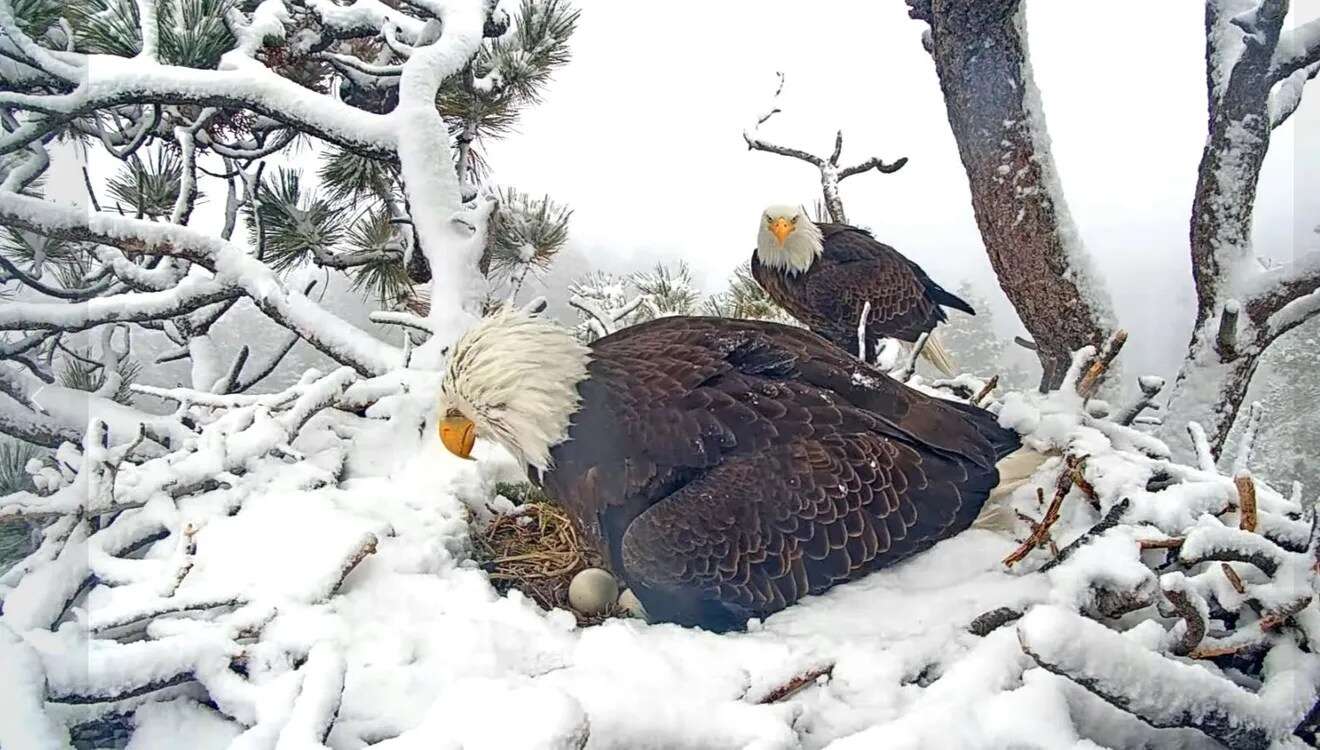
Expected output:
(299, 574)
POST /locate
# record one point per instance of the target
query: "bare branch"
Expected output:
(755, 144)
(773, 110)
(876, 163)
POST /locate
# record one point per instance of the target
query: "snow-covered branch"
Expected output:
(235, 272)
(1297, 49)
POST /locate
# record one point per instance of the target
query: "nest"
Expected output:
(537, 549)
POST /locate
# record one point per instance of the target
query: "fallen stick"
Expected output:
(1040, 533)
(796, 684)
(985, 392)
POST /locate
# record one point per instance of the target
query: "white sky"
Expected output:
(641, 135)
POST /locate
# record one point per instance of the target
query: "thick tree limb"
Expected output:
(995, 113)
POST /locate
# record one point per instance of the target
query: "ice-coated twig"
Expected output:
(773, 109)
(364, 548)
(604, 322)
(403, 319)
(112, 623)
(1072, 378)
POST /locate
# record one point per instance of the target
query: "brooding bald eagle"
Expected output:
(825, 275)
(723, 468)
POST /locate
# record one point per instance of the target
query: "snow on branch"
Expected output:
(235, 272)
(1166, 692)
(1297, 49)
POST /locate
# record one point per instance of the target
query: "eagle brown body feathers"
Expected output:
(727, 468)
(853, 269)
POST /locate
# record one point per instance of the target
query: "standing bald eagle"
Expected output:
(724, 468)
(826, 274)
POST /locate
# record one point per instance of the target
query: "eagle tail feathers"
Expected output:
(1015, 470)
(935, 353)
(948, 299)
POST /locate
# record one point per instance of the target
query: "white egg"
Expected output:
(592, 591)
(628, 602)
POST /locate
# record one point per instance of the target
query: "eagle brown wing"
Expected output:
(855, 269)
(760, 532)
(772, 455)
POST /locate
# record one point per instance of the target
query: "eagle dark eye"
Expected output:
(794, 220)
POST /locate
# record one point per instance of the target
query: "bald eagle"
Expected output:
(723, 468)
(826, 275)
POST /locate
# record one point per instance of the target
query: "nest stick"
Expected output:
(1091, 380)
(797, 683)
(1246, 489)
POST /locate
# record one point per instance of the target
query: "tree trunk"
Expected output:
(1241, 69)
(995, 113)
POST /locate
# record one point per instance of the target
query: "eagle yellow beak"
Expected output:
(781, 228)
(458, 434)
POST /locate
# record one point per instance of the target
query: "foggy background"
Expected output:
(641, 135)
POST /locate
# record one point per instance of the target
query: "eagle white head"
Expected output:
(512, 379)
(788, 239)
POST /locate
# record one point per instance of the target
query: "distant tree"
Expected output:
(524, 236)
(978, 348)
(606, 302)
(744, 298)
(668, 290)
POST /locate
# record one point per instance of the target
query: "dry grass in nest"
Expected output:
(537, 549)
